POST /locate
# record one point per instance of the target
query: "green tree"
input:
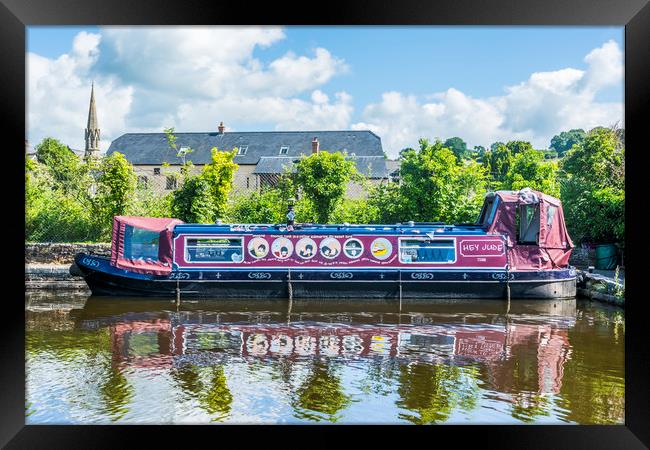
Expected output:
(498, 161)
(219, 175)
(323, 178)
(192, 203)
(495, 145)
(529, 169)
(593, 187)
(517, 147)
(564, 141)
(62, 164)
(116, 185)
(433, 187)
(266, 206)
(459, 147)
(203, 198)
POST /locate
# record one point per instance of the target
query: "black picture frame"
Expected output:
(15, 15)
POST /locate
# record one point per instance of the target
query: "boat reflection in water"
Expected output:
(248, 361)
(211, 336)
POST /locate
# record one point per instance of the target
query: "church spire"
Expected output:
(92, 129)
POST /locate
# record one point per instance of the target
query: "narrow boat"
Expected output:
(519, 248)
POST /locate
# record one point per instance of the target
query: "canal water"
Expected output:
(138, 361)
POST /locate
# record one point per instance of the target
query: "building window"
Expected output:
(284, 149)
(248, 182)
(218, 249)
(143, 181)
(156, 171)
(171, 182)
(441, 251)
(242, 150)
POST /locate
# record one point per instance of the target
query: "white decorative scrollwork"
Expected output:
(179, 276)
(341, 275)
(259, 275)
(90, 262)
(422, 276)
(502, 276)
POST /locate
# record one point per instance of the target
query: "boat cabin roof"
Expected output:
(415, 229)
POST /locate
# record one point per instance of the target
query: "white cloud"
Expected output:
(59, 91)
(534, 110)
(148, 78)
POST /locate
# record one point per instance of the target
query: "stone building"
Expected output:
(261, 155)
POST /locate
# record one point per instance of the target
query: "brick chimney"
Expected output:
(315, 145)
(222, 129)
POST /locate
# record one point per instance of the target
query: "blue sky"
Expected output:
(480, 83)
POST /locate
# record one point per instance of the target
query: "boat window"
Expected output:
(423, 251)
(528, 223)
(214, 250)
(140, 244)
(488, 211)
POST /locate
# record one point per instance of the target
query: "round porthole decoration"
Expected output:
(306, 248)
(353, 248)
(258, 247)
(282, 248)
(330, 248)
(381, 248)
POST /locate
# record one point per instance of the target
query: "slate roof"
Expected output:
(274, 164)
(152, 148)
(370, 166)
(392, 166)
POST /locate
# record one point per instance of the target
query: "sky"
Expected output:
(483, 84)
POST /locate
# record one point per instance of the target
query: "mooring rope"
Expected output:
(505, 243)
(289, 287)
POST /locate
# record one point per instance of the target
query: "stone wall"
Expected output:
(57, 253)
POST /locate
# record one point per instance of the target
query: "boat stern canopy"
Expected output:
(534, 227)
(143, 244)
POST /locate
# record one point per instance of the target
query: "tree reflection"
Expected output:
(432, 391)
(213, 394)
(320, 397)
(527, 406)
(599, 397)
(216, 398)
(116, 393)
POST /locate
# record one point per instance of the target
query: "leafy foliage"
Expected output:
(323, 178)
(528, 169)
(433, 187)
(203, 198)
(116, 185)
(459, 147)
(593, 187)
(219, 175)
(564, 141)
(191, 203)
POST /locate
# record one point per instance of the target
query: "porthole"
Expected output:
(353, 248)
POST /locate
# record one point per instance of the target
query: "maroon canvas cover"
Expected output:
(555, 245)
(163, 226)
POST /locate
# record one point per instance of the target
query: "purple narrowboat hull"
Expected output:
(105, 280)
